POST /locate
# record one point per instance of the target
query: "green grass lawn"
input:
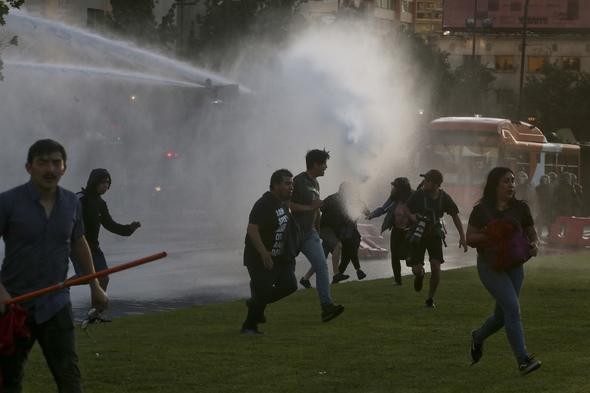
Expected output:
(386, 341)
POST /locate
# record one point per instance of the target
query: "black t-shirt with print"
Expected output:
(271, 215)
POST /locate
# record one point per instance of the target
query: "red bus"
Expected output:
(465, 149)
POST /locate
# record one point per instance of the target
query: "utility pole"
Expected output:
(474, 32)
(522, 58)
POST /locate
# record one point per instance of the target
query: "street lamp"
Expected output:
(522, 58)
(471, 23)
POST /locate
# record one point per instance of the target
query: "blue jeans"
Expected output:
(314, 252)
(505, 288)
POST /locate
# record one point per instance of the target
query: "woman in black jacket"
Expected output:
(398, 220)
(95, 214)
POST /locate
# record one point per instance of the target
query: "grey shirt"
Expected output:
(37, 248)
(305, 190)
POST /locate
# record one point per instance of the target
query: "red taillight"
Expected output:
(171, 155)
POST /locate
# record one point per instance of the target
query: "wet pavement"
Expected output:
(201, 267)
(201, 271)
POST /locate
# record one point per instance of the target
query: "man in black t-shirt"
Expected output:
(272, 271)
(428, 204)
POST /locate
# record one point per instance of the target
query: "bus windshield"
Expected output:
(462, 164)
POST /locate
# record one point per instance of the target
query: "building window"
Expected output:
(406, 6)
(535, 63)
(387, 4)
(515, 5)
(505, 63)
(493, 5)
(570, 63)
(429, 10)
(573, 9)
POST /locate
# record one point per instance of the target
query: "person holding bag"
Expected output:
(502, 229)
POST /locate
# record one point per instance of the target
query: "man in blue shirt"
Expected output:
(41, 224)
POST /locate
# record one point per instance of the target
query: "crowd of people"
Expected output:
(44, 225)
(291, 217)
(556, 195)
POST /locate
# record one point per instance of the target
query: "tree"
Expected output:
(166, 30)
(472, 83)
(559, 99)
(134, 19)
(225, 22)
(432, 64)
(4, 9)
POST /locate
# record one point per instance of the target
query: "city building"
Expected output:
(558, 32)
(84, 13)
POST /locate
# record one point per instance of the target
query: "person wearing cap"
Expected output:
(397, 219)
(95, 214)
(428, 204)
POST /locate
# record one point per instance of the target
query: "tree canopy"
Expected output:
(559, 99)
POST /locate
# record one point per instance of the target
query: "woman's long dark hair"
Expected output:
(492, 183)
(402, 190)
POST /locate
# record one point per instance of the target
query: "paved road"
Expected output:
(199, 271)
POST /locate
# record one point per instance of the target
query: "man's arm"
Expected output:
(459, 226)
(297, 207)
(107, 221)
(254, 235)
(81, 256)
(4, 297)
(531, 234)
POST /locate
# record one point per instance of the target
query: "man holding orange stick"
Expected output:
(41, 224)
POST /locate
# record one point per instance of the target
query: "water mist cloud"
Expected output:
(341, 87)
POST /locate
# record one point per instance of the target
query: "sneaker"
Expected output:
(360, 274)
(251, 332)
(262, 318)
(102, 318)
(529, 365)
(418, 281)
(305, 283)
(339, 277)
(331, 311)
(430, 303)
(476, 349)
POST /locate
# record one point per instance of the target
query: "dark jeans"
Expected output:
(350, 253)
(398, 248)
(268, 286)
(57, 341)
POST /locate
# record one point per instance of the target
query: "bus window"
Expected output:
(462, 164)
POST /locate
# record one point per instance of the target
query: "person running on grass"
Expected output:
(305, 205)
(429, 203)
(503, 283)
(271, 268)
(336, 222)
(398, 219)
